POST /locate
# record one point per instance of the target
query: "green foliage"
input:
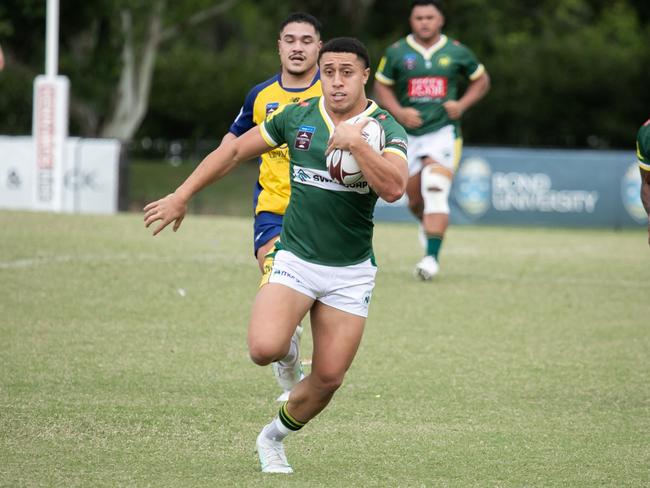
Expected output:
(574, 78)
(525, 364)
(15, 110)
(203, 89)
(564, 72)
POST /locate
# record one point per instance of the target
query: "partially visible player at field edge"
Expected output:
(324, 261)
(643, 155)
(417, 81)
(298, 45)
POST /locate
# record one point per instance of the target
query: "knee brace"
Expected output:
(435, 191)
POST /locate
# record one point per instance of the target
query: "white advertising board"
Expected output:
(16, 173)
(88, 182)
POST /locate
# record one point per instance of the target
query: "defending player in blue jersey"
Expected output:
(299, 79)
(298, 45)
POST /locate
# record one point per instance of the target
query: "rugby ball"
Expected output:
(342, 166)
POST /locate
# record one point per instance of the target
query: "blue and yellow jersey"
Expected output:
(272, 190)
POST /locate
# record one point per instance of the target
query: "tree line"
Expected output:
(565, 73)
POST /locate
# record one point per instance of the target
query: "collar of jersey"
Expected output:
(426, 52)
(295, 90)
(372, 106)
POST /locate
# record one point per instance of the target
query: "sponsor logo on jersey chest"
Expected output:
(303, 137)
(428, 87)
(321, 179)
(271, 107)
(410, 61)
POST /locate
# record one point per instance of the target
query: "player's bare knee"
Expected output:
(328, 382)
(259, 357)
(435, 191)
(263, 353)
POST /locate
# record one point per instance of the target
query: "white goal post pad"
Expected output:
(50, 131)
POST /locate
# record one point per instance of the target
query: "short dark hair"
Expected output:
(346, 45)
(436, 3)
(301, 17)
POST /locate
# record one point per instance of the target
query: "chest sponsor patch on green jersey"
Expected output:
(321, 179)
(410, 61)
(303, 137)
(427, 87)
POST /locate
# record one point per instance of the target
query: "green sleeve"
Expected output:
(643, 146)
(273, 127)
(386, 72)
(470, 67)
(396, 138)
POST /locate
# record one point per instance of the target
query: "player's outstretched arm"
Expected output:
(387, 174)
(214, 166)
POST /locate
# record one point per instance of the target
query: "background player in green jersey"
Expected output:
(298, 46)
(417, 81)
(643, 155)
(323, 263)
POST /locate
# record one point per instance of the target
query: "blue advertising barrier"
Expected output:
(570, 188)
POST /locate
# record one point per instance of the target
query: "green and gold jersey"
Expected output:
(326, 222)
(643, 146)
(425, 78)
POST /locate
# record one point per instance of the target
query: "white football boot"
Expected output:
(427, 268)
(284, 396)
(289, 374)
(272, 456)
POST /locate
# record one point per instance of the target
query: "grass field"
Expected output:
(148, 180)
(526, 364)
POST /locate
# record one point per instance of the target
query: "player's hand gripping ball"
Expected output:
(341, 164)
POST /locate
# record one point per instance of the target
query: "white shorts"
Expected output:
(347, 288)
(442, 146)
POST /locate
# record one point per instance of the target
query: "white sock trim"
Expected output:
(276, 430)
